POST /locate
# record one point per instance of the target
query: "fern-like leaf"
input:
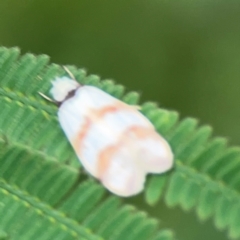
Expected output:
(41, 178)
(44, 194)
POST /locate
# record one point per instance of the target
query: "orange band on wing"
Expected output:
(105, 110)
(133, 133)
(78, 140)
(94, 116)
(100, 113)
(104, 159)
(140, 132)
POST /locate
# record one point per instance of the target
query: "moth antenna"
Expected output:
(47, 98)
(69, 73)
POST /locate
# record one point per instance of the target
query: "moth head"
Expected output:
(62, 87)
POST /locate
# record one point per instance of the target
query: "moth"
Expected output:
(114, 142)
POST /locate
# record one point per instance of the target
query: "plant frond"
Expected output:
(60, 208)
(3, 235)
(205, 178)
(34, 219)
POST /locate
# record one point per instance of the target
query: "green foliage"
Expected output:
(45, 194)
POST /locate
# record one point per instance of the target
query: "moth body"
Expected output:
(114, 142)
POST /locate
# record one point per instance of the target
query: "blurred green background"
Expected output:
(185, 55)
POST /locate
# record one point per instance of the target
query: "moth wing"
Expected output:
(143, 151)
(93, 120)
(123, 177)
(155, 153)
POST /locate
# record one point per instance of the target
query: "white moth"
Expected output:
(114, 142)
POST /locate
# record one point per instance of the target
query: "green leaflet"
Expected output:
(37, 158)
(41, 198)
(3, 235)
(43, 195)
(28, 218)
